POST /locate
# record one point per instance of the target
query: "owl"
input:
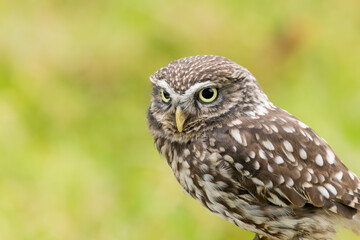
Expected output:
(246, 160)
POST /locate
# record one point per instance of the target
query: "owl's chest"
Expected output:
(178, 157)
(203, 174)
(183, 165)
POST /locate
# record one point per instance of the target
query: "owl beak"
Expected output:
(180, 118)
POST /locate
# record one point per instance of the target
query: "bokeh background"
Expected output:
(76, 158)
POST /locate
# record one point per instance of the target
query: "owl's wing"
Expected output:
(282, 161)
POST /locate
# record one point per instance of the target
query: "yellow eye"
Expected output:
(165, 96)
(208, 95)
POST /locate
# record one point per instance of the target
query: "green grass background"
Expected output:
(76, 158)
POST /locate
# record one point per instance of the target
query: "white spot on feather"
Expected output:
(276, 200)
(330, 157)
(339, 175)
(281, 179)
(279, 160)
(306, 185)
(352, 175)
(303, 154)
(269, 185)
(290, 156)
(268, 145)
(309, 136)
(260, 110)
(290, 182)
(262, 154)
(288, 146)
(289, 129)
(208, 178)
(257, 181)
(331, 188)
(303, 125)
(235, 133)
(323, 192)
(186, 152)
(319, 160)
(186, 164)
(274, 128)
(237, 122)
(228, 159)
(239, 166)
(256, 165)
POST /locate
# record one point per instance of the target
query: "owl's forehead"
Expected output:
(183, 73)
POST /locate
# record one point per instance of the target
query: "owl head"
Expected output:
(196, 93)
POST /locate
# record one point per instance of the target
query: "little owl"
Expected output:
(245, 159)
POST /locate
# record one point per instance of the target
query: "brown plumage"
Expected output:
(245, 159)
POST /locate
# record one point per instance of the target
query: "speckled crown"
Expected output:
(185, 72)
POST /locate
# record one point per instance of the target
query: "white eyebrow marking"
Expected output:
(188, 93)
(196, 87)
(163, 84)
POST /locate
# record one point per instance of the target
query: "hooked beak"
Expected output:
(180, 118)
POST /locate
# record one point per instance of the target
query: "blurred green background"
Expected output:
(77, 160)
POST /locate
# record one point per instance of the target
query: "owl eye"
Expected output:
(165, 96)
(208, 95)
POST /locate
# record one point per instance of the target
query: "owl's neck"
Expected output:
(255, 102)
